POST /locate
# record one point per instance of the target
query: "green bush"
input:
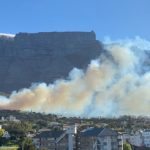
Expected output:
(127, 146)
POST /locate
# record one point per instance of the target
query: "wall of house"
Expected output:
(87, 142)
(136, 140)
(146, 138)
(107, 143)
(63, 144)
(48, 143)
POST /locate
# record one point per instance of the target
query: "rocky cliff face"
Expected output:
(43, 57)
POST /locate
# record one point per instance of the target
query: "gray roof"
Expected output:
(98, 132)
(91, 132)
(87, 132)
(49, 134)
(108, 132)
(147, 130)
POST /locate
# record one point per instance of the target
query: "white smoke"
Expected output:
(116, 83)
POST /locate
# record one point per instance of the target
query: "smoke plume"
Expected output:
(116, 83)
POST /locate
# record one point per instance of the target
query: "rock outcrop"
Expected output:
(43, 57)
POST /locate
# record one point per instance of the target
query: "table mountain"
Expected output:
(28, 58)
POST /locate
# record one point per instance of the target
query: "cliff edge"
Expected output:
(27, 58)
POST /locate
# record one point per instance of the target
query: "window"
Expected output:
(104, 143)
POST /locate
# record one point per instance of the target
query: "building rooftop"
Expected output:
(49, 134)
(91, 132)
(108, 132)
(98, 132)
(147, 130)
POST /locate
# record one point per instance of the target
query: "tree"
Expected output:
(1, 138)
(27, 144)
(127, 146)
(19, 129)
(1, 132)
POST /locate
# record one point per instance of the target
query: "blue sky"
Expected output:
(114, 18)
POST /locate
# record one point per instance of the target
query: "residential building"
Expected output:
(88, 139)
(146, 138)
(13, 118)
(6, 135)
(136, 139)
(2, 119)
(10, 118)
(99, 139)
(47, 139)
(56, 140)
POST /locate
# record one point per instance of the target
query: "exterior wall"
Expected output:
(146, 138)
(107, 143)
(86, 143)
(136, 140)
(120, 142)
(102, 143)
(125, 137)
(63, 144)
(6, 135)
(48, 143)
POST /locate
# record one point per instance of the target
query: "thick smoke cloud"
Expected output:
(116, 83)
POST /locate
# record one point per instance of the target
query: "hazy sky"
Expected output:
(114, 18)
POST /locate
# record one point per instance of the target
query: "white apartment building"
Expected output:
(146, 138)
(140, 138)
(136, 139)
